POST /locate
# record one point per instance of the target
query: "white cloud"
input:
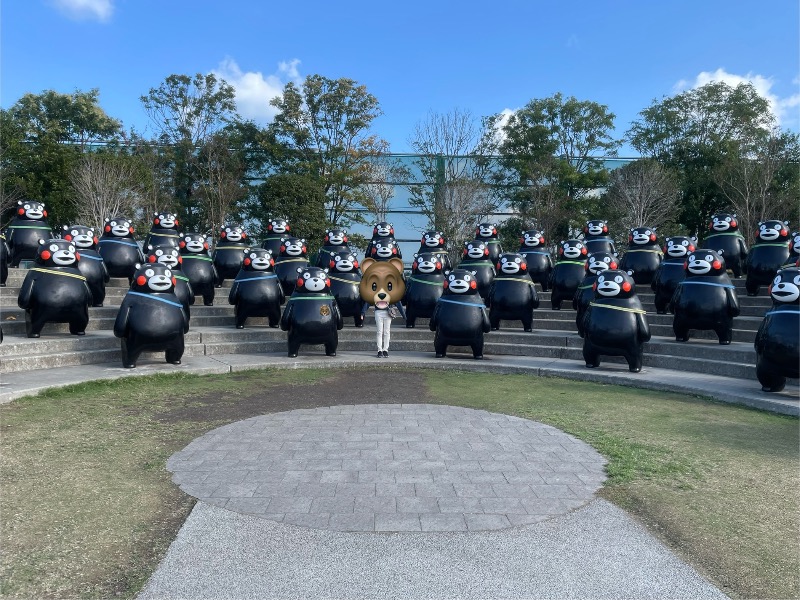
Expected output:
(780, 107)
(254, 90)
(505, 114)
(100, 10)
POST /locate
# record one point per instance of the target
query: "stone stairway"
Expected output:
(212, 333)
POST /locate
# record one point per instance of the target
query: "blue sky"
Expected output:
(414, 56)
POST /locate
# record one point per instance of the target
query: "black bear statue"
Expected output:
(335, 240)
(596, 263)
(568, 272)
(151, 318)
(671, 271)
(118, 247)
(769, 253)
(3, 260)
(488, 234)
(256, 291)
(311, 315)
(292, 254)
(345, 279)
(615, 323)
(170, 256)
(26, 228)
(383, 246)
(723, 236)
(276, 229)
(596, 238)
(54, 291)
(229, 252)
(475, 258)
(460, 318)
(643, 255)
(198, 266)
(435, 242)
(778, 339)
(705, 299)
(540, 263)
(164, 230)
(91, 265)
(512, 295)
(424, 286)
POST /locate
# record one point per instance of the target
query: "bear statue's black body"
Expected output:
(3, 261)
(768, 254)
(643, 255)
(198, 266)
(292, 255)
(435, 243)
(23, 233)
(119, 249)
(671, 272)
(568, 272)
(311, 315)
(459, 318)
(336, 240)
(169, 256)
(724, 238)
(276, 229)
(91, 264)
(228, 253)
(778, 339)
(794, 250)
(345, 278)
(151, 318)
(423, 286)
(54, 291)
(383, 245)
(256, 291)
(487, 233)
(615, 323)
(540, 263)
(476, 259)
(705, 299)
(512, 295)
(164, 231)
(596, 263)
(596, 238)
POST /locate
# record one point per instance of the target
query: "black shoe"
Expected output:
(290, 355)
(380, 354)
(385, 354)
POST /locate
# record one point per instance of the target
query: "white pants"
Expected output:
(384, 323)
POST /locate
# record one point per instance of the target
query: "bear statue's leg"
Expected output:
(439, 346)
(477, 348)
(174, 353)
(293, 344)
(634, 357)
(494, 319)
(31, 330)
(331, 345)
(770, 380)
(724, 332)
(555, 300)
(129, 353)
(274, 316)
(752, 286)
(527, 321)
(736, 267)
(544, 285)
(681, 329)
(661, 303)
(208, 295)
(590, 356)
(358, 320)
(579, 322)
(78, 325)
(240, 316)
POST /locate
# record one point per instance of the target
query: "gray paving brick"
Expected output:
(552, 491)
(474, 490)
(376, 476)
(443, 522)
(353, 522)
(289, 504)
(543, 506)
(315, 520)
(486, 522)
(255, 506)
(341, 504)
(460, 505)
(490, 477)
(412, 476)
(265, 476)
(520, 520)
(504, 506)
(339, 477)
(316, 490)
(397, 522)
(235, 490)
(395, 489)
(417, 505)
(375, 504)
(355, 489)
(435, 490)
(302, 476)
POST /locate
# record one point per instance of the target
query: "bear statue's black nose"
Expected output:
(381, 295)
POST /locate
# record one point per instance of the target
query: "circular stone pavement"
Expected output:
(391, 467)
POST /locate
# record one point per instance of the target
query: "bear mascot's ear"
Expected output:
(299, 270)
(365, 264)
(397, 264)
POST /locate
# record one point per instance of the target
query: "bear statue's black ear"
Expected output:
(326, 270)
(447, 273)
(138, 266)
(19, 203)
(42, 242)
(474, 273)
(630, 272)
(283, 239)
(694, 239)
(721, 251)
(299, 270)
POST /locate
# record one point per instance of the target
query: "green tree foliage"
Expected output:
(186, 112)
(43, 135)
(325, 127)
(695, 132)
(551, 150)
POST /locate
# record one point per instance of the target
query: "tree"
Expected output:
(385, 173)
(325, 124)
(764, 183)
(694, 131)
(186, 112)
(643, 192)
(104, 186)
(454, 191)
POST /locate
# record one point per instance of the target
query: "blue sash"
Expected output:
(481, 306)
(170, 302)
(243, 279)
(123, 242)
(722, 285)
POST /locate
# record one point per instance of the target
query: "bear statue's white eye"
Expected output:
(648, 232)
(306, 275)
(71, 248)
(27, 207)
(113, 223)
(763, 228)
(467, 277)
(168, 273)
(797, 280)
(607, 259)
(338, 258)
(728, 219)
(777, 279)
(149, 272)
(709, 258)
(601, 279)
(619, 279)
(518, 260)
(75, 232)
(188, 238)
(53, 247)
(452, 278)
(685, 242)
(253, 255)
(159, 252)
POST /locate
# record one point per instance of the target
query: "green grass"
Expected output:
(88, 507)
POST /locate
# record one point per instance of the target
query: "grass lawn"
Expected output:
(88, 508)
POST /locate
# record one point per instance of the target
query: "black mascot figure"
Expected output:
(151, 318)
(164, 231)
(345, 278)
(476, 259)
(724, 237)
(596, 238)
(336, 240)
(91, 264)
(705, 299)
(54, 291)
(311, 315)
(671, 272)
(27, 227)
(256, 291)
(119, 249)
(794, 249)
(643, 255)
(540, 263)
(228, 253)
(383, 250)
(768, 254)
(436, 243)
(169, 256)
(778, 339)
(198, 266)
(615, 322)
(423, 287)
(596, 264)
(568, 273)
(460, 316)
(276, 229)
(512, 295)
(3, 261)
(292, 254)
(487, 233)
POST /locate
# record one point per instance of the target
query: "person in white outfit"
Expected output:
(383, 322)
